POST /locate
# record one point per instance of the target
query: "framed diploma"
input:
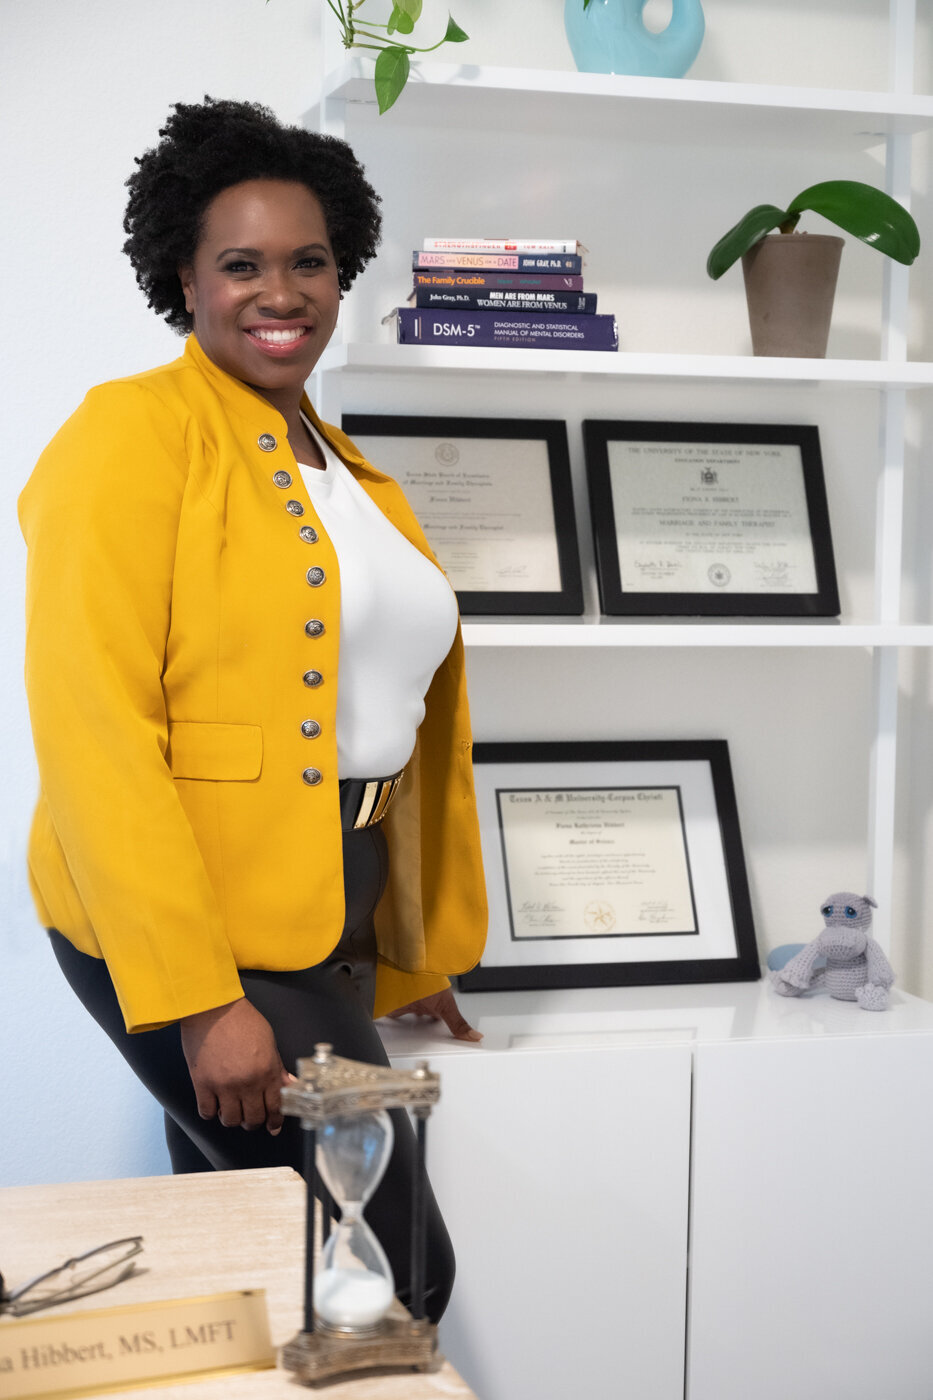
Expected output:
(611, 864)
(494, 498)
(710, 519)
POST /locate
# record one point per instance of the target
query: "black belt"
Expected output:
(365, 801)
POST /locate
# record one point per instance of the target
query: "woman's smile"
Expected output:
(278, 341)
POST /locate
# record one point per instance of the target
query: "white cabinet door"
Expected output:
(811, 1270)
(563, 1176)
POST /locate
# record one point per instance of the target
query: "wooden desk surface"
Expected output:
(206, 1233)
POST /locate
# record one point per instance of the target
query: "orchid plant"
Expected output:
(862, 210)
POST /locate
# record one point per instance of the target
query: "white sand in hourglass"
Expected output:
(351, 1297)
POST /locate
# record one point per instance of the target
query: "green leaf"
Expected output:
(412, 8)
(862, 210)
(865, 212)
(454, 35)
(756, 223)
(391, 75)
(399, 20)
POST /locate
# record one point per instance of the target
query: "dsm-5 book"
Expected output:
(494, 329)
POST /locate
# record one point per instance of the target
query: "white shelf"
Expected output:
(372, 358)
(617, 632)
(682, 110)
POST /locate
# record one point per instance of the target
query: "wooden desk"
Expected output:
(208, 1233)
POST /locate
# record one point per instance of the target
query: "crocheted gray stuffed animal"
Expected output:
(856, 968)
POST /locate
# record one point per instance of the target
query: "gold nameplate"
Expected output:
(91, 1353)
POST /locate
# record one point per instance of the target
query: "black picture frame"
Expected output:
(716, 587)
(565, 597)
(694, 779)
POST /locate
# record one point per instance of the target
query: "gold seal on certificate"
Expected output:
(610, 864)
(717, 519)
(494, 498)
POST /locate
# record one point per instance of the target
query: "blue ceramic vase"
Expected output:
(610, 36)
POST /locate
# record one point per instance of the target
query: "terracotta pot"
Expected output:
(790, 282)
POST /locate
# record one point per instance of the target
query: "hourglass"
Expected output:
(351, 1318)
(355, 1286)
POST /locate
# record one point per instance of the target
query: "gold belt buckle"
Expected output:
(375, 801)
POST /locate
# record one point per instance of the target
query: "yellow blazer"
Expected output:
(167, 603)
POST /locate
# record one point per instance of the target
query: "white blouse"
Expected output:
(398, 620)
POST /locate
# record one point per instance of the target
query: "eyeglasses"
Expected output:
(90, 1273)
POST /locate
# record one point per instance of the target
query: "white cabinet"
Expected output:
(594, 1137)
(563, 1179)
(649, 172)
(812, 1217)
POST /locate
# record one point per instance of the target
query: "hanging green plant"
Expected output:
(393, 63)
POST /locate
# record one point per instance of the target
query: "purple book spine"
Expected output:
(491, 329)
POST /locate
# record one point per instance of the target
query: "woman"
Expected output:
(208, 850)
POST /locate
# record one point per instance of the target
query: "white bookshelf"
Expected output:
(686, 113)
(699, 116)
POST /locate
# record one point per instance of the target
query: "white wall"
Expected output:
(83, 89)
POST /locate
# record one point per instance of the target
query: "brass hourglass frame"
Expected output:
(331, 1087)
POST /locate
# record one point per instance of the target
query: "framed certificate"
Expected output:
(610, 864)
(494, 498)
(710, 519)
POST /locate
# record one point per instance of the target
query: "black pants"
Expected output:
(332, 1002)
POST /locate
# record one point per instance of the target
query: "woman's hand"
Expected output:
(235, 1066)
(440, 1006)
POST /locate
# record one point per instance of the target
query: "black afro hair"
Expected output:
(207, 147)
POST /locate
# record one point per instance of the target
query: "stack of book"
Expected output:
(503, 292)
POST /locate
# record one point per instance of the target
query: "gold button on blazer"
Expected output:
(166, 653)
